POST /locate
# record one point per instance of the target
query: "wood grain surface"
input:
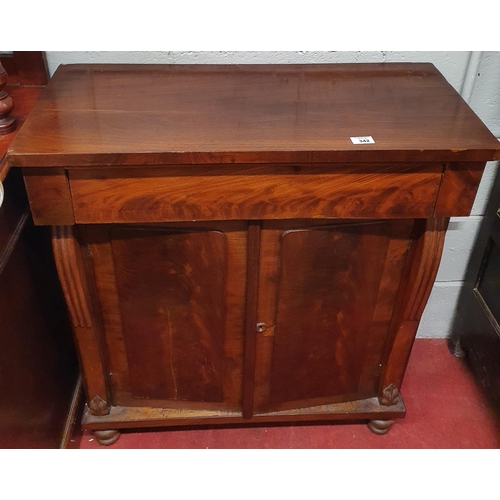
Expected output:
(418, 280)
(171, 293)
(24, 101)
(49, 196)
(172, 301)
(247, 261)
(327, 291)
(26, 68)
(183, 114)
(458, 189)
(326, 294)
(122, 417)
(78, 292)
(254, 192)
(38, 364)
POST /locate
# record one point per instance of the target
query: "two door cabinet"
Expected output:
(242, 244)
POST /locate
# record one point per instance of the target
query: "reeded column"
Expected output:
(7, 123)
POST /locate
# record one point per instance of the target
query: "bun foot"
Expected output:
(106, 438)
(380, 426)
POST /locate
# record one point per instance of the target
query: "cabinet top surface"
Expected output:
(185, 114)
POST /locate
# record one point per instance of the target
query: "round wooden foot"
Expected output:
(380, 426)
(106, 437)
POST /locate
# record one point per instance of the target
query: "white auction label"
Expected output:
(368, 139)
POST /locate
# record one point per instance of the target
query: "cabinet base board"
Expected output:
(121, 417)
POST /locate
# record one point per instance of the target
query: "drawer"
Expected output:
(233, 192)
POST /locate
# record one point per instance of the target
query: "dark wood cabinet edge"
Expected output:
(52, 185)
(27, 76)
(367, 409)
(77, 280)
(26, 68)
(458, 188)
(11, 245)
(72, 432)
(251, 317)
(118, 160)
(419, 275)
(4, 168)
(486, 310)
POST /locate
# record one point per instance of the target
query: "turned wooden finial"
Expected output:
(7, 123)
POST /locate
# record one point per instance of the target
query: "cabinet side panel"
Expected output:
(390, 285)
(327, 293)
(419, 275)
(171, 289)
(49, 196)
(458, 189)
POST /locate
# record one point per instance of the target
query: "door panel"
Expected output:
(172, 302)
(326, 297)
(171, 294)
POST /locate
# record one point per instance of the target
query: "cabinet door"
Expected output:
(172, 305)
(326, 297)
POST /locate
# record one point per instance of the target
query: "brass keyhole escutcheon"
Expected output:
(261, 327)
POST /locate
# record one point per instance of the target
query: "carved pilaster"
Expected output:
(77, 292)
(71, 275)
(7, 123)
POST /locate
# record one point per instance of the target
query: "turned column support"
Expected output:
(7, 122)
(77, 292)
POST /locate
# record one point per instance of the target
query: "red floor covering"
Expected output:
(444, 410)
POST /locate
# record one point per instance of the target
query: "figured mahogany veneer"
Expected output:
(228, 255)
(255, 192)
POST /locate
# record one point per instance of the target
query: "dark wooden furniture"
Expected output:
(38, 367)
(228, 255)
(7, 122)
(476, 328)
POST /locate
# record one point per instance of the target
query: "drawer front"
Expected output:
(254, 192)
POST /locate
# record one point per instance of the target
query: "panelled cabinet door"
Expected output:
(172, 306)
(326, 298)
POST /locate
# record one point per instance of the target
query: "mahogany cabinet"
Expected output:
(243, 244)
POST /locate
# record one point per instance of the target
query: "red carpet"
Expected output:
(444, 410)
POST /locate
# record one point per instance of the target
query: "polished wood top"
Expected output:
(192, 114)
